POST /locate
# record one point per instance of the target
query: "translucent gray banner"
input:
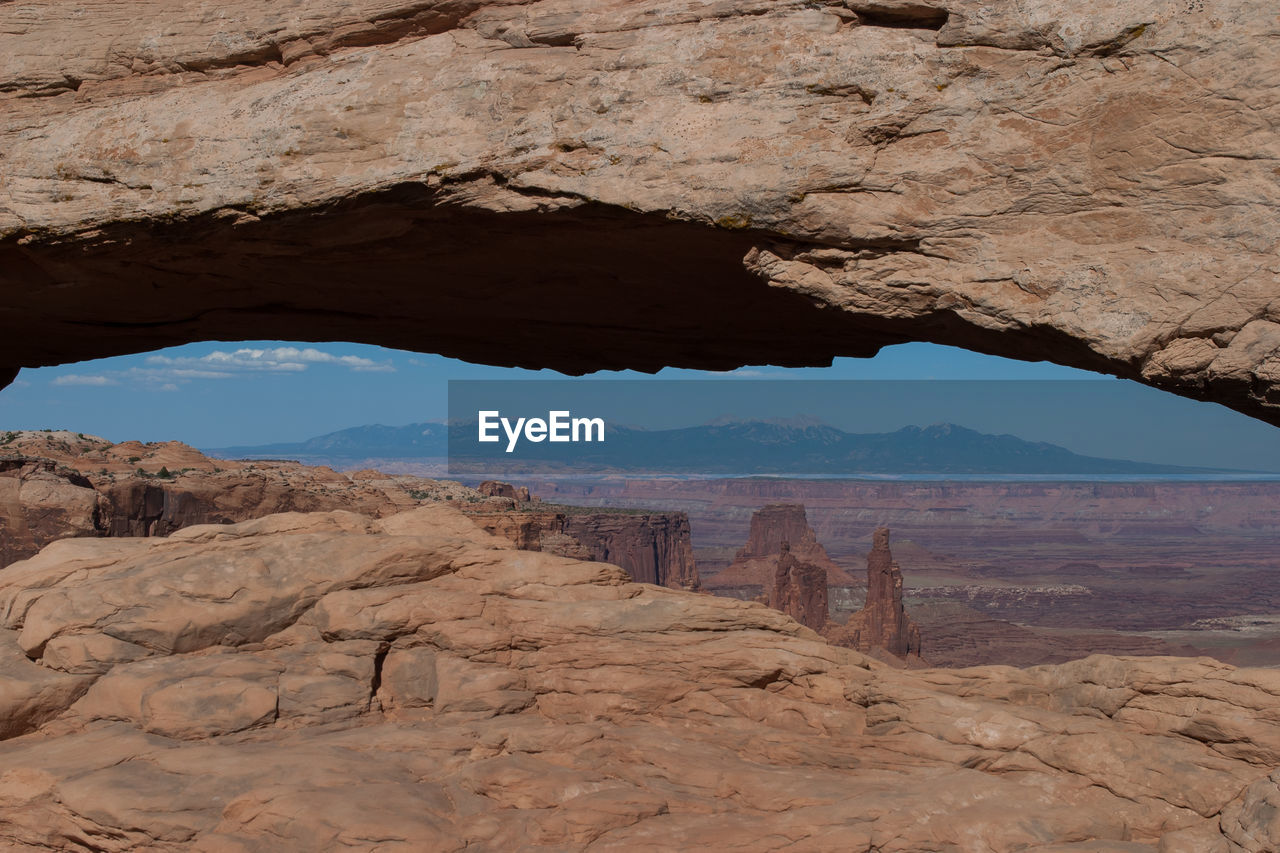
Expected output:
(831, 428)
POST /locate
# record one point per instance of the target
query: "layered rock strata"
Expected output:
(41, 501)
(652, 547)
(313, 681)
(59, 484)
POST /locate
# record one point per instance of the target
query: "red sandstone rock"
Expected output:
(770, 527)
(1078, 560)
(59, 484)
(652, 547)
(41, 501)
(85, 486)
(883, 622)
(800, 590)
(1087, 182)
(532, 531)
(498, 489)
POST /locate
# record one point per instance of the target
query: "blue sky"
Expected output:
(222, 394)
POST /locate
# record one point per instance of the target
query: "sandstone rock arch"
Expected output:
(639, 183)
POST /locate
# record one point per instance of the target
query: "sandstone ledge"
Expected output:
(328, 680)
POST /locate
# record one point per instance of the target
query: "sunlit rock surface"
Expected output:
(311, 681)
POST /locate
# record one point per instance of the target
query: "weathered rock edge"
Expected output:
(329, 680)
(1096, 184)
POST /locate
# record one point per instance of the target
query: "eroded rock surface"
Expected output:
(652, 547)
(883, 622)
(41, 501)
(772, 526)
(58, 484)
(799, 590)
(499, 489)
(311, 681)
(1093, 183)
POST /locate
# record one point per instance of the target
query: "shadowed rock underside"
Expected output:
(590, 182)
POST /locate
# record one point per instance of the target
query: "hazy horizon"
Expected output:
(215, 395)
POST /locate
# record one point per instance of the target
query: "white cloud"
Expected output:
(84, 379)
(270, 360)
(167, 373)
(182, 374)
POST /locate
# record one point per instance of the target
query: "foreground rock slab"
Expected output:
(331, 681)
(1091, 183)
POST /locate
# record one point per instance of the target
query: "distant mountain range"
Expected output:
(415, 441)
(719, 448)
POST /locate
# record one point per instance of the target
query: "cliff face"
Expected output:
(653, 547)
(530, 530)
(799, 590)
(1053, 556)
(499, 489)
(776, 524)
(956, 512)
(883, 622)
(526, 530)
(772, 526)
(41, 501)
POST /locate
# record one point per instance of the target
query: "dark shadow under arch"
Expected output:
(576, 288)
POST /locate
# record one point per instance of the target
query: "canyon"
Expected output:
(796, 581)
(1019, 572)
(198, 655)
(58, 484)
(1014, 573)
